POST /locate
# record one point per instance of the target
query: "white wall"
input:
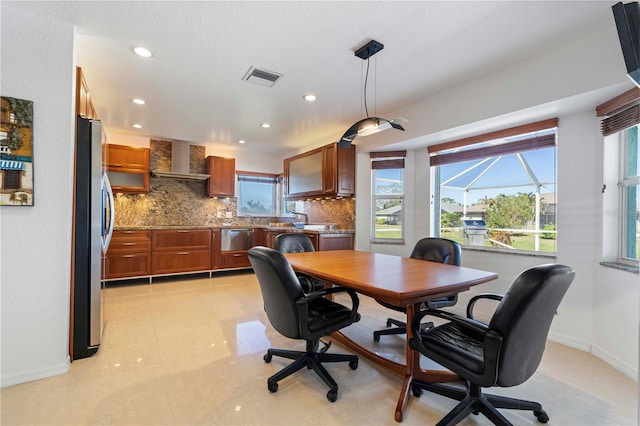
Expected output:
(35, 242)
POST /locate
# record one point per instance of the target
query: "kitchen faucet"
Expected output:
(306, 217)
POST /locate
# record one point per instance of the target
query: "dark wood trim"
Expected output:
(499, 134)
(388, 154)
(618, 102)
(258, 174)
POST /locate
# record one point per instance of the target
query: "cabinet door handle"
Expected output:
(128, 244)
(182, 231)
(128, 255)
(237, 254)
(182, 252)
(115, 165)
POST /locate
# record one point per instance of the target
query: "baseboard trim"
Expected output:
(15, 379)
(615, 362)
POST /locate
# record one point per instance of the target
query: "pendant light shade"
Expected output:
(365, 127)
(369, 125)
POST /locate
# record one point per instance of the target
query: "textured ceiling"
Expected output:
(193, 85)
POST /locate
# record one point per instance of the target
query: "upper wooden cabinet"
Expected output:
(84, 105)
(128, 168)
(222, 172)
(328, 171)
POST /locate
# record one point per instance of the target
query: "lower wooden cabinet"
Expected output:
(174, 251)
(234, 259)
(129, 255)
(180, 250)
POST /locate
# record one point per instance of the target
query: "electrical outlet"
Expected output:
(219, 215)
(229, 215)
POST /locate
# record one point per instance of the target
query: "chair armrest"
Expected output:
(466, 323)
(474, 299)
(355, 301)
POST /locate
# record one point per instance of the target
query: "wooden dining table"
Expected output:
(400, 281)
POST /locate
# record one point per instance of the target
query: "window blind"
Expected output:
(620, 113)
(387, 160)
(543, 139)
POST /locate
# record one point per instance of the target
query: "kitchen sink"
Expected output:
(281, 225)
(320, 226)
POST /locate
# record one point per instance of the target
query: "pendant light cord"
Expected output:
(366, 78)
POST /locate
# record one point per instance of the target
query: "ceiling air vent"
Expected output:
(262, 77)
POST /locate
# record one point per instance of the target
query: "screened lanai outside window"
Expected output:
(257, 194)
(498, 193)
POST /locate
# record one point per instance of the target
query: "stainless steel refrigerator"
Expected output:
(93, 226)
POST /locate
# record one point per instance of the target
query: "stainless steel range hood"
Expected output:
(180, 163)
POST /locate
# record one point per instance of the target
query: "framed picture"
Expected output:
(16, 152)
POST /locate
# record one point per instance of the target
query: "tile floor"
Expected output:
(189, 351)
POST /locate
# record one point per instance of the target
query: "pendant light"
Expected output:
(369, 125)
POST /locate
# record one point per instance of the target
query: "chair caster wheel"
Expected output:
(332, 395)
(273, 387)
(376, 338)
(541, 416)
(267, 358)
(353, 364)
(417, 391)
(388, 323)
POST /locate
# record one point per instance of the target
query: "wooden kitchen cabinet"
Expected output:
(234, 259)
(215, 249)
(84, 104)
(128, 168)
(180, 250)
(328, 171)
(129, 255)
(259, 237)
(335, 242)
(222, 180)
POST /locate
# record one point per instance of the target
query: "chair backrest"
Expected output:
(293, 242)
(280, 289)
(523, 319)
(437, 250)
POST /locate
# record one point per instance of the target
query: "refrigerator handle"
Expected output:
(107, 238)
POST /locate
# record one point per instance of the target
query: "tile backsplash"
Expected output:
(182, 202)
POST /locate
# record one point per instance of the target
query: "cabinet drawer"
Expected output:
(335, 242)
(180, 261)
(128, 235)
(234, 259)
(181, 239)
(120, 246)
(128, 265)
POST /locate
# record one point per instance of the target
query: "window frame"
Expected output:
(390, 160)
(263, 178)
(625, 182)
(516, 140)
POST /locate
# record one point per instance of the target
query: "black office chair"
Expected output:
(294, 242)
(435, 250)
(504, 353)
(297, 315)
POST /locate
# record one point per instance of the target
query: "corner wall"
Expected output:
(35, 242)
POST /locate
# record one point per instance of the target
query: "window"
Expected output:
(621, 117)
(498, 189)
(387, 170)
(257, 194)
(630, 187)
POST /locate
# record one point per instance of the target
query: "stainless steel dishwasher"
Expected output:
(236, 239)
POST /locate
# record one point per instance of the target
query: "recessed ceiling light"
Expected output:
(137, 126)
(241, 141)
(141, 51)
(266, 125)
(138, 101)
(309, 98)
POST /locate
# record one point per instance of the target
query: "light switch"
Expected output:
(229, 215)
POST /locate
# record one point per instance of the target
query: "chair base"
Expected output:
(401, 328)
(312, 359)
(472, 400)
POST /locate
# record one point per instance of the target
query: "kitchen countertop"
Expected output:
(268, 228)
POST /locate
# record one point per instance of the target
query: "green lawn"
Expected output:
(519, 241)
